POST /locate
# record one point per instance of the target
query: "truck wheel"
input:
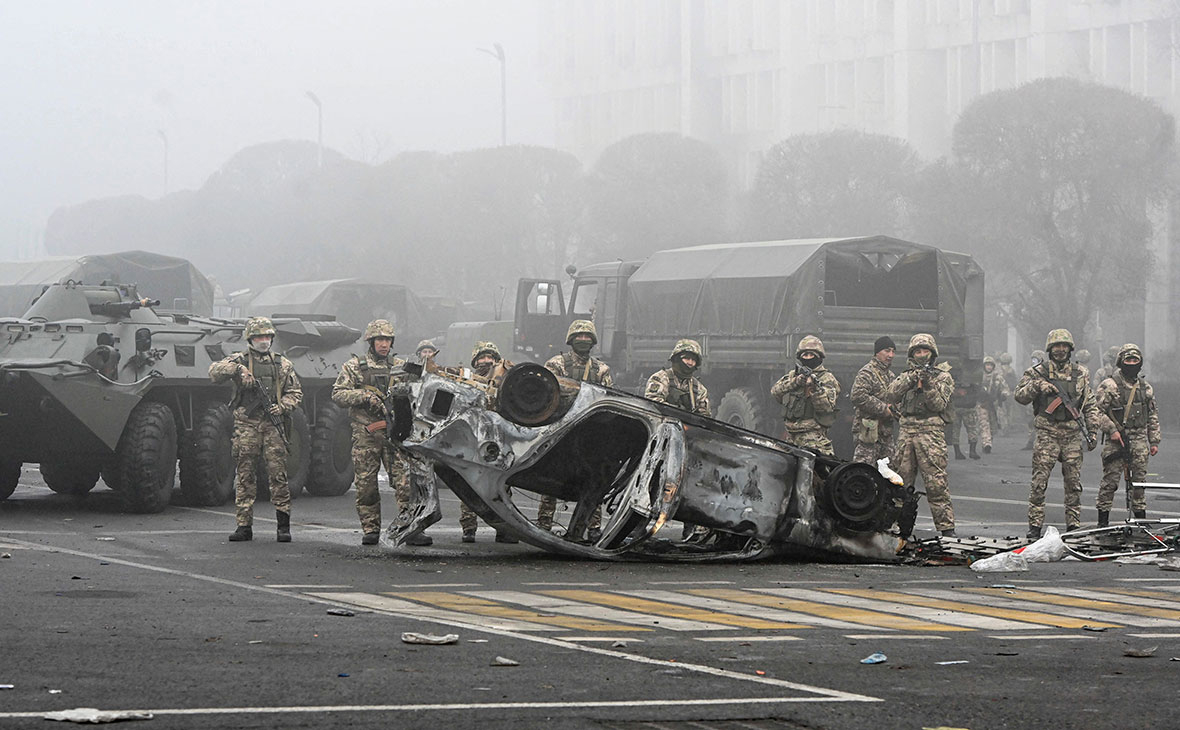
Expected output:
(70, 477)
(9, 477)
(206, 458)
(743, 408)
(331, 452)
(298, 458)
(145, 459)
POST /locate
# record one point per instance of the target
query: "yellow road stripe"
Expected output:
(1161, 595)
(483, 607)
(674, 610)
(1015, 614)
(1058, 600)
(843, 613)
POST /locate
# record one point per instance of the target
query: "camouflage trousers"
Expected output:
(964, 418)
(986, 425)
(811, 438)
(924, 452)
(548, 507)
(468, 520)
(369, 452)
(1112, 471)
(254, 438)
(1057, 443)
(872, 453)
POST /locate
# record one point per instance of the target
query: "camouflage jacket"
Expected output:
(868, 389)
(804, 410)
(1112, 396)
(288, 394)
(1008, 375)
(925, 408)
(995, 390)
(1034, 387)
(583, 369)
(361, 378)
(662, 383)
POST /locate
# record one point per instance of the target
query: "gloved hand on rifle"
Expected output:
(245, 377)
(275, 409)
(375, 403)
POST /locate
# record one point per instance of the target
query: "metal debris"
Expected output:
(412, 637)
(340, 612)
(874, 658)
(503, 661)
(1140, 652)
(94, 716)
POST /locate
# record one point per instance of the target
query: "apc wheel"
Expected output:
(743, 408)
(206, 458)
(9, 477)
(145, 459)
(298, 458)
(70, 477)
(331, 452)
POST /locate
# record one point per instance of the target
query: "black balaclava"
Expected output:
(1130, 372)
(582, 346)
(680, 369)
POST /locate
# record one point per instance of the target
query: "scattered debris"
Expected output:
(342, 674)
(956, 661)
(1003, 585)
(1007, 653)
(5, 556)
(1140, 652)
(255, 641)
(503, 661)
(94, 716)
(105, 539)
(413, 637)
(1088, 627)
(477, 641)
(619, 645)
(340, 612)
(55, 691)
(1003, 563)
(1171, 563)
(7, 686)
(874, 658)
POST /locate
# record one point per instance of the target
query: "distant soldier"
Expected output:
(577, 364)
(676, 385)
(808, 393)
(994, 396)
(1010, 377)
(425, 351)
(923, 393)
(1056, 388)
(965, 399)
(873, 421)
(1129, 401)
(1037, 357)
(361, 388)
(484, 358)
(265, 387)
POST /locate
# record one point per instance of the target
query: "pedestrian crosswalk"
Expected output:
(779, 613)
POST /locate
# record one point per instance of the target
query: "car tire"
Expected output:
(145, 458)
(70, 477)
(207, 465)
(331, 452)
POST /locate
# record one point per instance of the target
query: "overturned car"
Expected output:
(503, 442)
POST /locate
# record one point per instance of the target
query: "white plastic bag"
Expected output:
(1008, 562)
(1049, 549)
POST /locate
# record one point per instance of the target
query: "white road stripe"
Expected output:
(1039, 637)
(1155, 636)
(1072, 612)
(604, 639)
(309, 585)
(567, 607)
(874, 637)
(744, 639)
(1097, 595)
(936, 615)
(690, 582)
(409, 608)
(770, 614)
(435, 585)
(559, 583)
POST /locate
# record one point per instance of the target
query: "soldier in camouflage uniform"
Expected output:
(1108, 366)
(1037, 357)
(1058, 435)
(808, 393)
(1128, 401)
(361, 388)
(676, 385)
(1010, 378)
(965, 415)
(923, 395)
(994, 397)
(577, 364)
(484, 358)
(425, 351)
(873, 421)
(254, 434)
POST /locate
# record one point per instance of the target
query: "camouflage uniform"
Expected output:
(1108, 367)
(468, 520)
(1058, 436)
(585, 369)
(1008, 375)
(872, 424)
(363, 380)
(683, 391)
(1130, 405)
(924, 399)
(965, 414)
(809, 400)
(254, 434)
(994, 396)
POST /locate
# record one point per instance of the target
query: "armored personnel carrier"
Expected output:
(94, 380)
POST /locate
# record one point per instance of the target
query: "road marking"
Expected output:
(1120, 619)
(604, 639)
(1167, 596)
(417, 610)
(874, 637)
(944, 618)
(317, 586)
(484, 607)
(1169, 605)
(853, 615)
(690, 582)
(558, 583)
(824, 694)
(1039, 637)
(1030, 617)
(586, 610)
(1148, 580)
(1155, 636)
(435, 585)
(717, 604)
(743, 639)
(1043, 595)
(630, 603)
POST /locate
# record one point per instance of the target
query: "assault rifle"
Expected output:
(1061, 401)
(396, 409)
(264, 401)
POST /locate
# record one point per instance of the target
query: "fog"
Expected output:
(91, 89)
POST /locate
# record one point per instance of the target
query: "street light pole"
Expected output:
(320, 115)
(498, 54)
(164, 137)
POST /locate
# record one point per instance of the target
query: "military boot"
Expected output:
(505, 538)
(1139, 514)
(284, 531)
(419, 539)
(244, 533)
(987, 449)
(974, 453)
(950, 532)
(959, 453)
(469, 535)
(1104, 518)
(1034, 532)
(370, 538)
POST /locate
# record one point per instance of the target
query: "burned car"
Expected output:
(502, 443)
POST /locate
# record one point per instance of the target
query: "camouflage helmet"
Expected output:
(922, 340)
(423, 345)
(810, 343)
(378, 328)
(1059, 336)
(1082, 356)
(1038, 355)
(1005, 358)
(257, 327)
(485, 347)
(579, 326)
(686, 346)
(1111, 353)
(989, 360)
(1129, 349)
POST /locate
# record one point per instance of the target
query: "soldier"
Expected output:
(1129, 401)
(361, 388)
(924, 395)
(994, 397)
(425, 351)
(676, 385)
(809, 395)
(1050, 387)
(1037, 357)
(1010, 378)
(872, 424)
(965, 399)
(484, 358)
(265, 387)
(577, 364)
(1108, 366)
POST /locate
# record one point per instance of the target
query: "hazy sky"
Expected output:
(90, 85)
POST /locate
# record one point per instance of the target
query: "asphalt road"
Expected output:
(160, 613)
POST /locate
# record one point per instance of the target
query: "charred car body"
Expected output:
(526, 433)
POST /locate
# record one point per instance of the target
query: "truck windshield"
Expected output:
(583, 298)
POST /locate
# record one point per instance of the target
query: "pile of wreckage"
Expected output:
(523, 433)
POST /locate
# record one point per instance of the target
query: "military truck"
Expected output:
(749, 304)
(95, 380)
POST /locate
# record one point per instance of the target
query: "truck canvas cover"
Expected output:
(355, 302)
